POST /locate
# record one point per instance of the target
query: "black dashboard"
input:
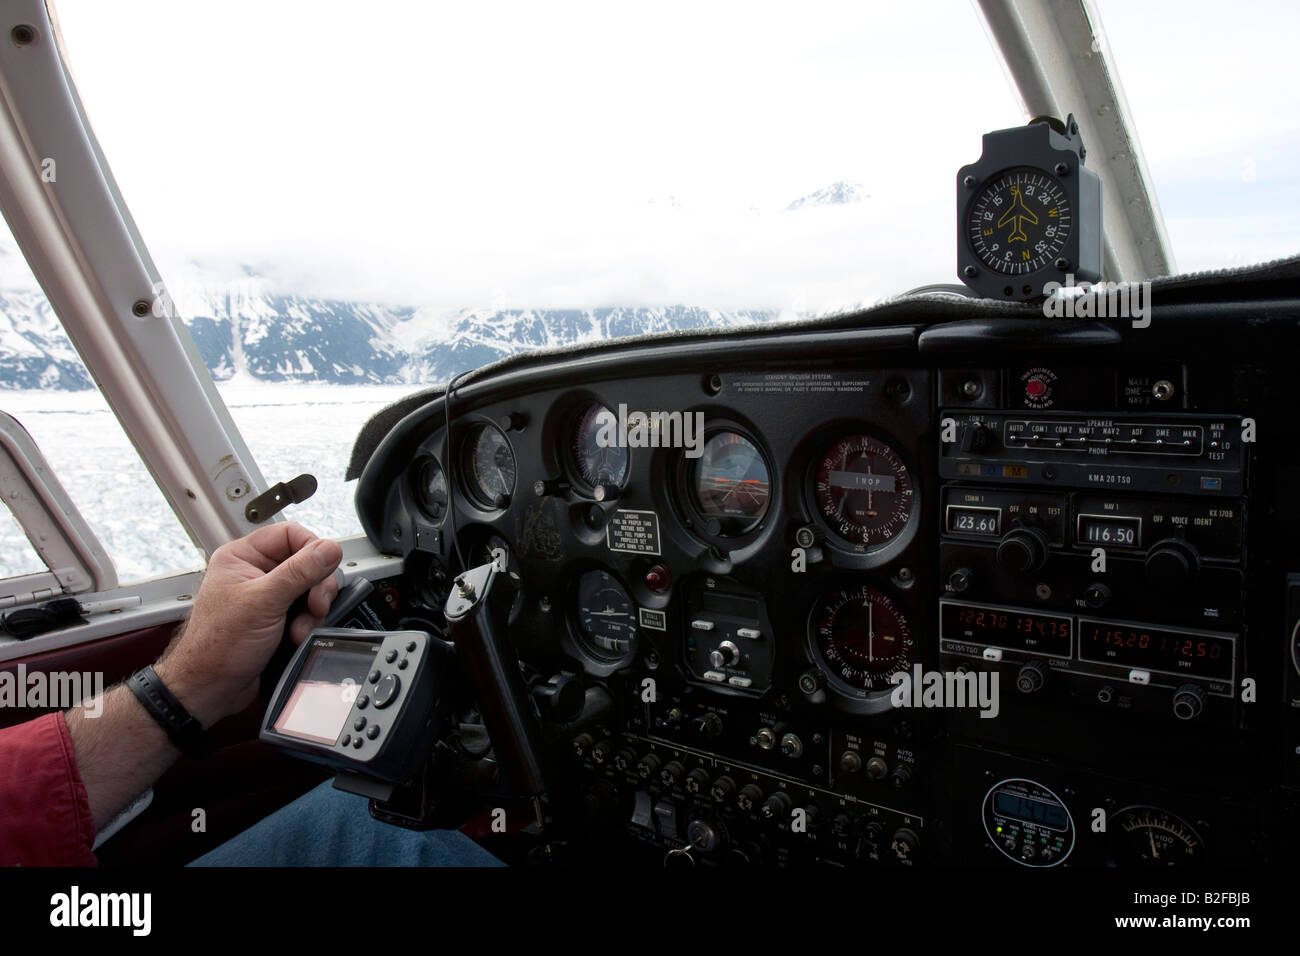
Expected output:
(944, 583)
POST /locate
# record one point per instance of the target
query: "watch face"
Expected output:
(1019, 221)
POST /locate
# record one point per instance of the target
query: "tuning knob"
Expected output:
(1172, 563)
(1031, 678)
(726, 654)
(1189, 701)
(1022, 550)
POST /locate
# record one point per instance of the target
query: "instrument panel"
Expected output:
(874, 605)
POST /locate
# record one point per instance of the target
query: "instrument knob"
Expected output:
(726, 654)
(707, 725)
(1023, 550)
(1031, 678)
(1172, 563)
(1189, 702)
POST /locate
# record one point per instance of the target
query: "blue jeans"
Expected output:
(328, 827)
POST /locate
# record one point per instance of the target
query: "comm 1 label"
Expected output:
(636, 532)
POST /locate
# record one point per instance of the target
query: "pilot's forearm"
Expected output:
(123, 750)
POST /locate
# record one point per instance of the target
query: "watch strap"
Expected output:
(181, 726)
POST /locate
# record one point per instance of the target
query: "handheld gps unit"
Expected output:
(357, 701)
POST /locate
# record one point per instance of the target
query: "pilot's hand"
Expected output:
(239, 615)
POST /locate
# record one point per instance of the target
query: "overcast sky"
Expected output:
(566, 154)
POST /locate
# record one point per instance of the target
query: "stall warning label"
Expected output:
(634, 531)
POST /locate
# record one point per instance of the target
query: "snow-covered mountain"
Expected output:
(274, 337)
(836, 194)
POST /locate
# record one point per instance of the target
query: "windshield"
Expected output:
(345, 205)
(1215, 103)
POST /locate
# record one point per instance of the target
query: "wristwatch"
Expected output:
(180, 725)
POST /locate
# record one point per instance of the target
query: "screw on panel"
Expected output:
(141, 308)
(23, 35)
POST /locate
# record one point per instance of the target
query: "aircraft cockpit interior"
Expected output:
(971, 555)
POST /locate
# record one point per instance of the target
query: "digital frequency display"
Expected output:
(1006, 627)
(1119, 532)
(1156, 649)
(968, 519)
(1008, 804)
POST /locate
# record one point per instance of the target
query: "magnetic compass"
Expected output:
(1029, 213)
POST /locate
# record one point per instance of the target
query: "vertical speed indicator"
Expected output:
(863, 492)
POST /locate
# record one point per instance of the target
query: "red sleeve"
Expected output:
(44, 811)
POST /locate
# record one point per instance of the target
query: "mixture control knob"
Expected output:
(749, 797)
(648, 766)
(1023, 550)
(905, 843)
(725, 655)
(777, 806)
(1189, 702)
(1031, 678)
(1172, 563)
